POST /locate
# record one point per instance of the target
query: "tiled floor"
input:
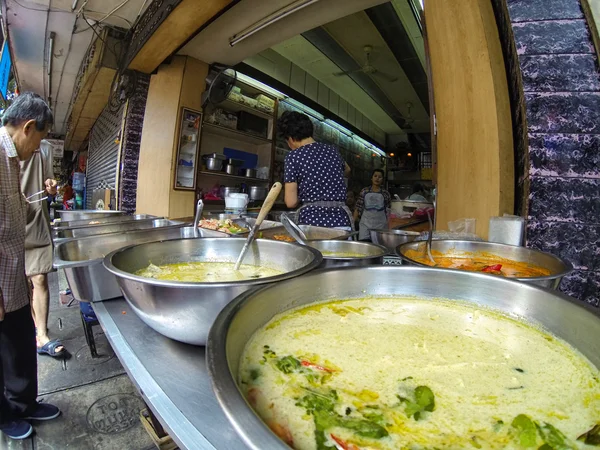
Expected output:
(100, 406)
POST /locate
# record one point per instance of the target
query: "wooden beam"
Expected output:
(474, 142)
(185, 19)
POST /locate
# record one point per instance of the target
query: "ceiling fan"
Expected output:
(368, 68)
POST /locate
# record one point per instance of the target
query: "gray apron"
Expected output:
(38, 238)
(373, 216)
(295, 216)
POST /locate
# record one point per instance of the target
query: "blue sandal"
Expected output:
(49, 348)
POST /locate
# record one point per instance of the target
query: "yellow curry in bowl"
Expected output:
(479, 262)
(410, 373)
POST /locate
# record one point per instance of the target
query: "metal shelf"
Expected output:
(226, 175)
(232, 106)
(219, 130)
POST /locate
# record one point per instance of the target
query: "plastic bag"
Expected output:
(462, 226)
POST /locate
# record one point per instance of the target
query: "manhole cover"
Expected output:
(105, 353)
(114, 413)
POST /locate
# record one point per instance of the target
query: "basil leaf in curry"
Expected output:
(424, 401)
(553, 437)
(591, 437)
(526, 430)
(288, 364)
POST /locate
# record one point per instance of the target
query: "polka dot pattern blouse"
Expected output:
(319, 171)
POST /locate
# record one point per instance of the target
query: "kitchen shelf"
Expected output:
(219, 130)
(232, 106)
(226, 175)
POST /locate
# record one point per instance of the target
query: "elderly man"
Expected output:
(37, 174)
(26, 123)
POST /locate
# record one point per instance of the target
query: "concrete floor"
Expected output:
(100, 406)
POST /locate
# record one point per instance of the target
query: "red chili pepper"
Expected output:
(494, 268)
(343, 444)
(315, 366)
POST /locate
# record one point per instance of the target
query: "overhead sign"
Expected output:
(5, 66)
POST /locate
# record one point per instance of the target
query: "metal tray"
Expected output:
(101, 221)
(312, 233)
(82, 214)
(60, 235)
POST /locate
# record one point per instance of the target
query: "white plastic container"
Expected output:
(236, 202)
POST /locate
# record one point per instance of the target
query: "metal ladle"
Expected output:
(264, 210)
(429, 239)
(199, 208)
(293, 229)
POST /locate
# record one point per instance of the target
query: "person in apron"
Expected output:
(313, 175)
(371, 207)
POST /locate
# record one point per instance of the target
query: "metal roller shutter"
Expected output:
(103, 153)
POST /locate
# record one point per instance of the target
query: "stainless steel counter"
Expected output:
(171, 377)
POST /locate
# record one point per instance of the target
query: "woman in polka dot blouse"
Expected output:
(313, 175)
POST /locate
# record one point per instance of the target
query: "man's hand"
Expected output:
(51, 186)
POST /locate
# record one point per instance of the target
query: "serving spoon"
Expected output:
(429, 239)
(264, 210)
(293, 229)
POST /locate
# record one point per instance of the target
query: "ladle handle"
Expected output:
(268, 203)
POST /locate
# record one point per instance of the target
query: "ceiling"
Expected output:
(328, 37)
(30, 23)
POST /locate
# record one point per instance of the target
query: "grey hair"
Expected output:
(28, 106)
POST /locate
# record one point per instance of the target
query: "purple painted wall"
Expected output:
(559, 168)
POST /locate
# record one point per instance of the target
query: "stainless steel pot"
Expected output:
(391, 239)
(81, 259)
(185, 311)
(213, 163)
(116, 227)
(231, 170)
(63, 225)
(558, 268)
(84, 214)
(250, 173)
(257, 192)
(373, 254)
(226, 190)
(236, 324)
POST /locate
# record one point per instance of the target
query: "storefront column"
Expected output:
(176, 85)
(475, 155)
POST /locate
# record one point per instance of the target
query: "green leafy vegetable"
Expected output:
(591, 437)
(424, 401)
(553, 437)
(288, 364)
(526, 430)
(322, 407)
(254, 374)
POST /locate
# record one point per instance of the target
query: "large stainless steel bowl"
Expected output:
(59, 235)
(558, 268)
(185, 311)
(233, 328)
(82, 214)
(391, 239)
(372, 253)
(81, 259)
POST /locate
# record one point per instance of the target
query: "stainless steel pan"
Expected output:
(119, 227)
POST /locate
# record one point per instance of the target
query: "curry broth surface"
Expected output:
(206, 272)
(365, 356)
(476, 262)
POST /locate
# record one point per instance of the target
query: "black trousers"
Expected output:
(18, 368)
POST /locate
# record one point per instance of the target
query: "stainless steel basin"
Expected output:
(312, 233)
(185, 311)
(372, 253)
(558, 268)
(83, 214)
(391, 239)
(81, 259)
(233, 328)
(119, 227)
(103, 221)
